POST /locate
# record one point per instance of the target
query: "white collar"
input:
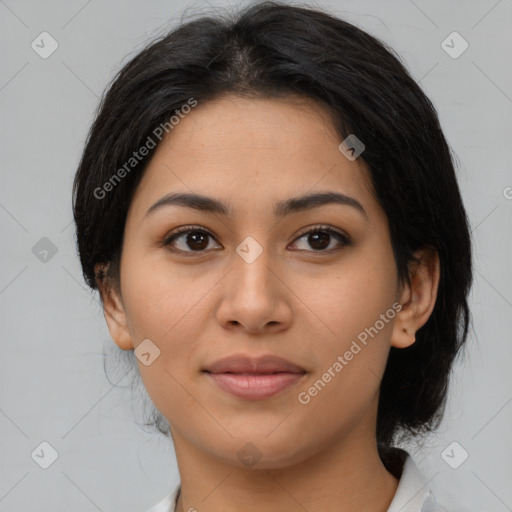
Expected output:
(413, 493)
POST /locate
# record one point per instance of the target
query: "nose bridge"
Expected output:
(253, 297)
(252, 272)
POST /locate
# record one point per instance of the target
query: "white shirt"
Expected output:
(413, 494)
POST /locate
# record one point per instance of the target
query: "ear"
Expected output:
(417, 299)
(113, 310)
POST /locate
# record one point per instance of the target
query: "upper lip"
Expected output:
(256, 365)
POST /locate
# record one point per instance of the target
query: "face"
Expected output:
(258, 276)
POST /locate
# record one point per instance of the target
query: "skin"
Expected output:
(295, 300)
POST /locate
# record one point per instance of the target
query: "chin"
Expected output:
(260, 451)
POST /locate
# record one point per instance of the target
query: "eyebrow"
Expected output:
(281, 209)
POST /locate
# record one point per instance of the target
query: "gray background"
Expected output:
(52, 383)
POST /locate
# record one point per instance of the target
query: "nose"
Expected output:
(255, 298)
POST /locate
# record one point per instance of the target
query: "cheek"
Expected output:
(161, 297)
(354, 315)
(167, 304)
(351, 296)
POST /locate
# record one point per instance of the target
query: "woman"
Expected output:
(269, 210)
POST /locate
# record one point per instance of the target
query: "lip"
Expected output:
(245, 364)
(254, 378)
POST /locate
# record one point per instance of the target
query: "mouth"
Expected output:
(254, 378)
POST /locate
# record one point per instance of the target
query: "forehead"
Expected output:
(251, 152)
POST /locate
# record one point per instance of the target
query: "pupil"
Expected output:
(318, 239)
(194, 240)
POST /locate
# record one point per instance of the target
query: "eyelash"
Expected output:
(342, 238)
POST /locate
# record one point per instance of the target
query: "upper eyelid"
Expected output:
(322, 227)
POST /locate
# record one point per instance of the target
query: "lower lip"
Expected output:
(255, 387)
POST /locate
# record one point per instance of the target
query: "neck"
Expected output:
(348, 476)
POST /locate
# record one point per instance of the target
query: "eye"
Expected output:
(188, 237)
(193, 239)
(321, 238)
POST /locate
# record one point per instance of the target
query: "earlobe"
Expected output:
(417, 298)
(115, 316)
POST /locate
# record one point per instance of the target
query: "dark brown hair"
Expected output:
(272, 49)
